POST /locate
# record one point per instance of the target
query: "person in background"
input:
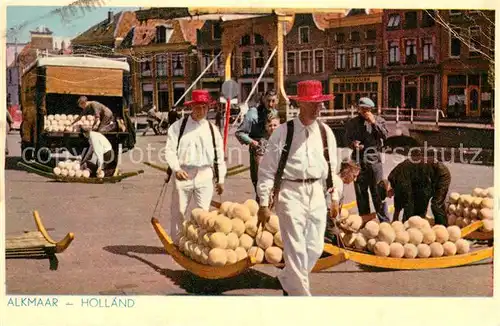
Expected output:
(253, 128)
(365, 135)
(101, 112)
(152, 116)
(173, 116)
(194, 152)
(99, 156)
(273, 122)
(413, 183)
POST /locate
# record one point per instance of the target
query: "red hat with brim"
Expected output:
(311, 91)
(200, 96)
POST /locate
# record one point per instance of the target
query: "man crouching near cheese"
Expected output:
(99, 156)
(294, 172)
(194, 153)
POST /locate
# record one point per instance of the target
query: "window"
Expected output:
(216, 31)
(163, 34)
(411, 51)
(290, 63)
(246, 62)
(161, 65)
(206, 57)
(455, 43)
(305, 60)
(355, 36)
(340, 37)
(371, 57)
(219, 68)
(426, 92)
(356, 58)
(270, 68)
(371, 34)
(179, 89)
(259, 61)
(319, 61)
(411, 19)
(394, 92)
(427, 50)
(163, 98)
(428, 17)
(340, 64)
(146, 68)
(245, 40)
(303, 35)
(474, 37)
(393, 52)
(394, 21)
(147, 94)
(259, 40)
(178, 64)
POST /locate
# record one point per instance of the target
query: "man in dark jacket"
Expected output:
(253, 128)
(413, 183)
(365, 134)
(172, 116)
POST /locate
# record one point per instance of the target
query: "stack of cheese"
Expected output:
(73, 169)
(62, 122)
(229, 234)
(466, 209)
(416, 238)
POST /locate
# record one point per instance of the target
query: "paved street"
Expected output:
(116, 250)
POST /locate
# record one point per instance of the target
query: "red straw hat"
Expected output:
(311, 91)
(200, 96)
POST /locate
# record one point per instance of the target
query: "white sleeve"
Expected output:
(171, 147)
(269, 164)
(332, 151)
(221, 163)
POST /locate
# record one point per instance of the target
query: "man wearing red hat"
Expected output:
(297, 172)
(195, 154)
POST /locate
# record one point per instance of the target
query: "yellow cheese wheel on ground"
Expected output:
(218, 240)
(64, 172)
(487, 203)
(233, 241)
(257, 253)
(203, 218)
(232, 257)
(241, 253)
(78, 173)
(461, 200)
(477, 192)
(217, 257)
(344, 213)
(273, 255)
(57, 170)
(406, 225)
(386, 234)
(210, 223)
(474, 213)
(398, 226)
(425, 224)
(360, 242)
(441, 234)
(454, 233)
(353, 222)
(466, 212)
(251, 227)
(242, 212)
(382, 249)
(487, 226)
(204, 255)
(252, 206)
(452, 219)
(195, 214)
(477, 202)
(278, 241)
(206, 239)
(486, 214)
(415, 222)
(452, 209)
(224, 207)
(182, 242)
(449, 248)
(416, 236)
(371, 229)
(459, 222)
(411, 250)
(370, 244)
(424, 251)
(246, 241)
(201, 236)
(490, 192)
(385, 225)
(197, 252)
(468, 201)
(273, 225)
(402, 237)
(460, 209)
(192, 233)
(223, 224)
(453, 198)
(264, 239)
(428, 236)
(396, 250)
(463, 246)
(430, 220)
(436, 249)
(238, 226)
(349, 239)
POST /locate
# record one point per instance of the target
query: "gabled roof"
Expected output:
(107, 32)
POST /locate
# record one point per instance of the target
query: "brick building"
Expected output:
(354, 57)
(411, 59)
(467, 51)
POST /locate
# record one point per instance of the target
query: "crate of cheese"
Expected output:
(465, 209)
(54, 123)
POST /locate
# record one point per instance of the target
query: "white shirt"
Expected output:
(196, 148)
(100, 144)
(305, 161)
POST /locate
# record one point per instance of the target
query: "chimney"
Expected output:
(110, 17)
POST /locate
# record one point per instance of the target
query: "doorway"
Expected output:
(473, 99)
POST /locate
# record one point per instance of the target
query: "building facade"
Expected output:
(13, 73)
(467, 51)
(355, 57)
(411, 59)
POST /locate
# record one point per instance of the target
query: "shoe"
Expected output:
(285, 294)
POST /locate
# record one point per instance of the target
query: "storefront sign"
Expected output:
(362, 79)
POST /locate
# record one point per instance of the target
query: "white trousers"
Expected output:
(301, 209)
(200, 186)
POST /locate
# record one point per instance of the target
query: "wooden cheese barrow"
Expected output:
(35, 243)
(46, 171)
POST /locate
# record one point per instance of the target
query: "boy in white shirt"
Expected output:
(99, 155)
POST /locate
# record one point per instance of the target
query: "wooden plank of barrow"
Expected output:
(414, 264)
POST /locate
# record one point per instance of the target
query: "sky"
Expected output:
(30, 17)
